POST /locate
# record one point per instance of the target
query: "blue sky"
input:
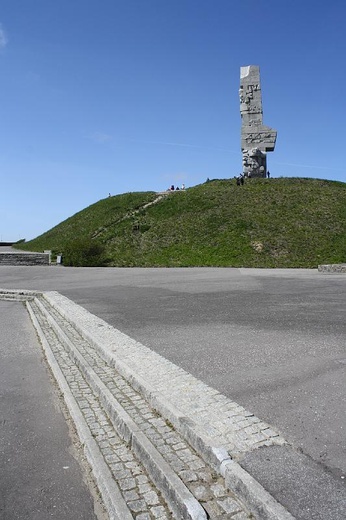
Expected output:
(135, 95)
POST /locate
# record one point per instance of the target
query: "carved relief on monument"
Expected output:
(254, 163)
(260, 137)
(256, 138)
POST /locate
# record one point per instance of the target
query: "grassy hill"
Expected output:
(285, 222)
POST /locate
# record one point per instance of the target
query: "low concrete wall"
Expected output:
(24, 258)
(332, 268)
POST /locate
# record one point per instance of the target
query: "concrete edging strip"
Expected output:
(111, 495)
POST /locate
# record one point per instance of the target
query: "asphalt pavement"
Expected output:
(40, 477)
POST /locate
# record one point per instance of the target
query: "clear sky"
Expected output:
(111, 96)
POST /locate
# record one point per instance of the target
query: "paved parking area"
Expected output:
(272, 340)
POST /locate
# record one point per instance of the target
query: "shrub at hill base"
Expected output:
(84, 252)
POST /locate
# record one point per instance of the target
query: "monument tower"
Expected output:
(256, 138)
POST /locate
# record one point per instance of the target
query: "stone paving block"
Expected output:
(196, 464)
(144, 488)
(158, 512)
(213, 509)
(143, 516)
(137, 505)
(202, 493)
(218, 490)
(229, 505)
(111, 458)
(188, 476)
(151, 498)
(121, 474)
(127, 483)
(240, 516)
(131, 495)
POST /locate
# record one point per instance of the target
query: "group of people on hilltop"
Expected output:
(173, 188)
(240, 179)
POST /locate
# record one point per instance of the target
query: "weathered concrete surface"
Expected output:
(39, 475)
(290, 474)
(23, 258)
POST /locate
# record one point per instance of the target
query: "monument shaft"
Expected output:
(256, 138)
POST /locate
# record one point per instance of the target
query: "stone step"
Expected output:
(155, 471)
(24, 258)
(17, 295)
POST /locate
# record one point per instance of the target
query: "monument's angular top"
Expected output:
(245, 71)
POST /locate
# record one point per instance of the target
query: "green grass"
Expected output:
(283, 222)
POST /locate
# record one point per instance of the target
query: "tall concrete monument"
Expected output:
(256, 139)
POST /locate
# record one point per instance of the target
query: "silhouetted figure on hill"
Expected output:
(240, 179)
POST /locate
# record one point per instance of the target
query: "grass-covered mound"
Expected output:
(286, 222)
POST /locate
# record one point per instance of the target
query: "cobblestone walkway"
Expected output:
(217, 419)
(151, 463)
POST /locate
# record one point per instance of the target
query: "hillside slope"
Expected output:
(285, 222)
